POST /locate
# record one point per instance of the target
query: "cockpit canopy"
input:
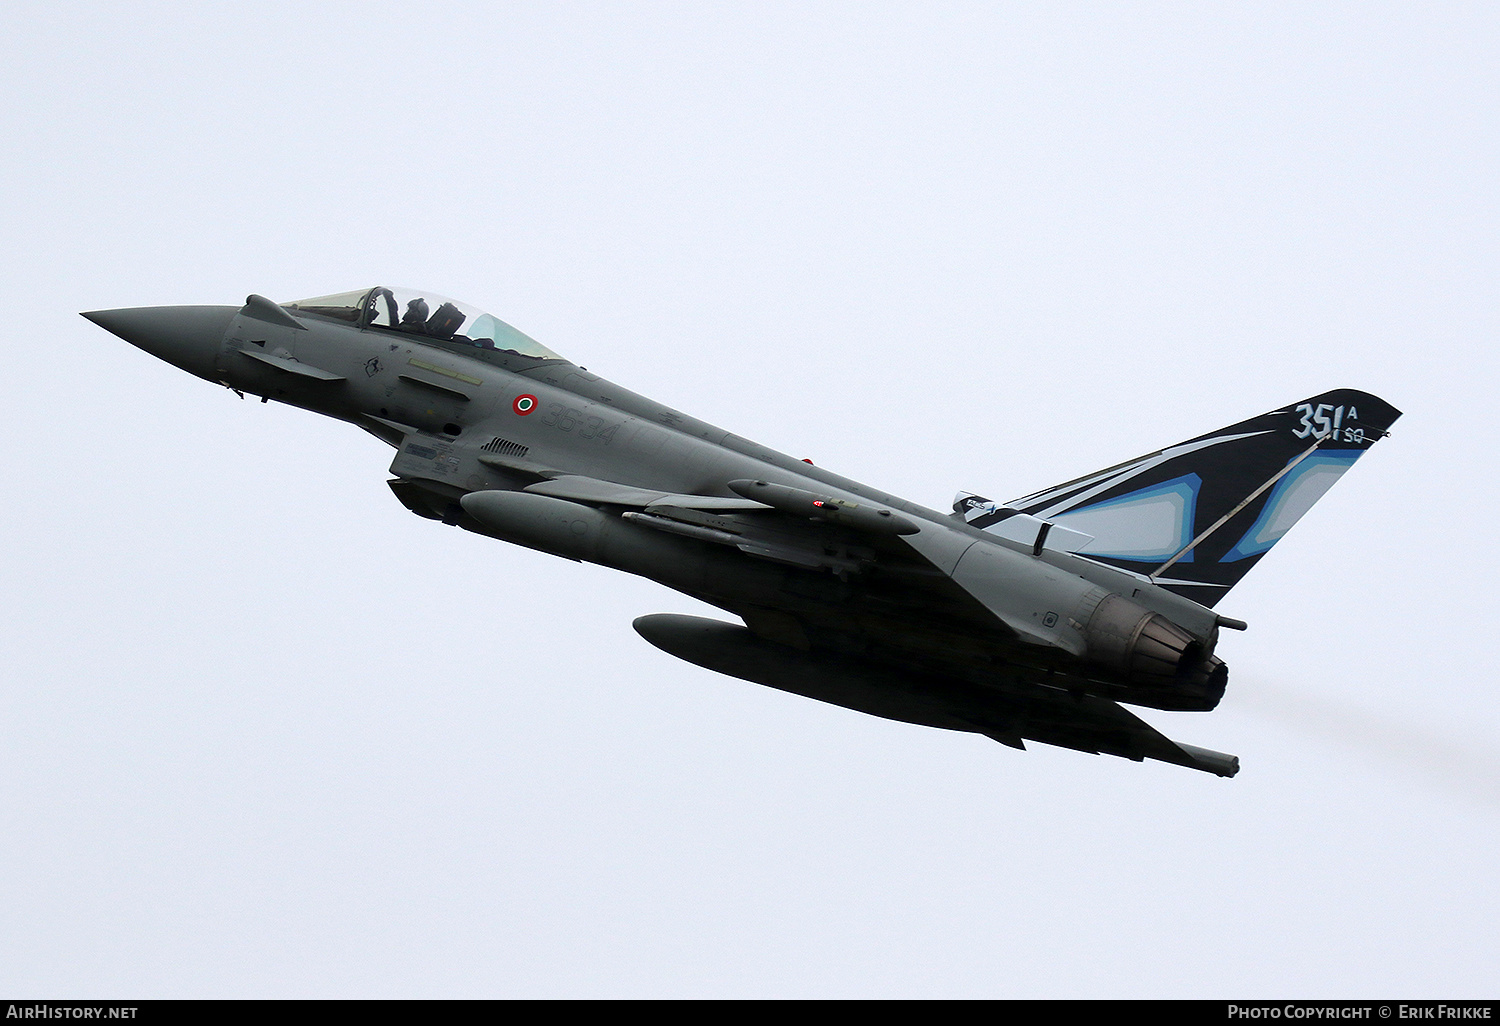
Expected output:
(426, 314)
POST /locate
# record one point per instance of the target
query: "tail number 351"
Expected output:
(1323, 420)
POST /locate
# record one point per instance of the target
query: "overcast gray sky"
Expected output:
(264, 733)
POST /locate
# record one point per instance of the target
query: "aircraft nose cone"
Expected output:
(184, 336)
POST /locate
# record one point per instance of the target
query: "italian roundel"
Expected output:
(524, 404)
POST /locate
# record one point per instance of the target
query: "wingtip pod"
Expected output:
(1217, 763)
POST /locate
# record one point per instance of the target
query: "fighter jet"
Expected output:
(1035, 619)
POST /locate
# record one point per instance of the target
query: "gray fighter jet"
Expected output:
(1030, 619)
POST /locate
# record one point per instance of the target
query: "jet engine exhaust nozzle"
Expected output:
(1171, 668)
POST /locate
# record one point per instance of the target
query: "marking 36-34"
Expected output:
(568, 418)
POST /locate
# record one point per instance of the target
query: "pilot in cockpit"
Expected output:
(381, 308)
(415, 318)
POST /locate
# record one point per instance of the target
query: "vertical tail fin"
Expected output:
(1196, 516)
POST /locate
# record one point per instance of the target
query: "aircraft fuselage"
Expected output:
(849, 594)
